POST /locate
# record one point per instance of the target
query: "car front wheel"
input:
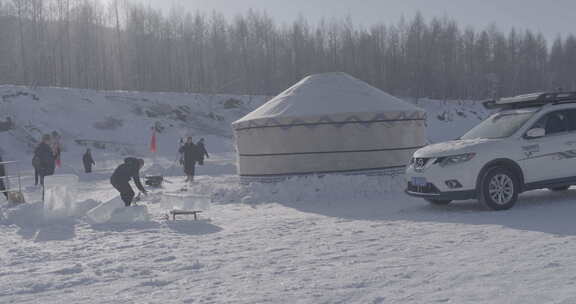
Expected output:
(499, 189)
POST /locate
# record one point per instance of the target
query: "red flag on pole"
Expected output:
(153, 147)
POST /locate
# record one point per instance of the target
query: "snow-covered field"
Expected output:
(336, 239)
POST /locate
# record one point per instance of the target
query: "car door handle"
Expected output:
(570, 143)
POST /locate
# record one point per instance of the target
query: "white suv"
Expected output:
(530, 143)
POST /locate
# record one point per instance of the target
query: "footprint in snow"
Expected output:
(69, 270)
(165, 259)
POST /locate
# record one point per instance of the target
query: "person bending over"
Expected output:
(130, 169)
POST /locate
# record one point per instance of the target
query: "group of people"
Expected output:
(47, 154)
(190, 154)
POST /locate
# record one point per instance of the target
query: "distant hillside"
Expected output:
(116, 120)
(119, 122)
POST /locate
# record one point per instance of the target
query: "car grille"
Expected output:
(426, 189)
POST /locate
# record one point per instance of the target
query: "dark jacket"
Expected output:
(45, 159)
(202, 153)
(2, 180)
(130, 169)
(190, 153)
(2, 169)
(88, 160)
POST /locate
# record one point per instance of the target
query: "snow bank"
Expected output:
(300, 189)
(117, 123)
(448, 120)
(212, 167)
(23, 215)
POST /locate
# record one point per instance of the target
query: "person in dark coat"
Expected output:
(181, 156)
(201, 151)
(88, 161)
(2, 175)
(120, 179)
(45, 162)
(36, 166)
(190, 153)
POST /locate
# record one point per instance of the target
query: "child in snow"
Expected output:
(130, 169)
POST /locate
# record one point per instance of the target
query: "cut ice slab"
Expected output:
(114, 211)
(103, 212)
(132, 214)
(60, 195)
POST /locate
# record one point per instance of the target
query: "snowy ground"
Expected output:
(365, 245)
(335, 239)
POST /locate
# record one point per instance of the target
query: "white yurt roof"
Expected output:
(328, 94)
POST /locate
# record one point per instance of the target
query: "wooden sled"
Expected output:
(174, 213)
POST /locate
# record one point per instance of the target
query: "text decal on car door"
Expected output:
(529, 150)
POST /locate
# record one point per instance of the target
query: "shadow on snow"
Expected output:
(541, 211)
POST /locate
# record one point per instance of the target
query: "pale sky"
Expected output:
(551, 17)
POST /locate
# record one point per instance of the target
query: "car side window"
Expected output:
(571, 114)
(556, 122)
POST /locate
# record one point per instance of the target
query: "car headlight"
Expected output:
(455, 159)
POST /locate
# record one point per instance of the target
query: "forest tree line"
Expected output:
(122, 45)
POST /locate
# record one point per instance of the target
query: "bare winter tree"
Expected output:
(84, 44)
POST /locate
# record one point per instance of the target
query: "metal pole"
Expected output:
(19, 178)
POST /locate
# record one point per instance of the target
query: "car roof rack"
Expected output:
(530, 100)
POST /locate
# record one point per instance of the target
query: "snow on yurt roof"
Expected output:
(328, 94)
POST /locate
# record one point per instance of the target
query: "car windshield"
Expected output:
(500, 125)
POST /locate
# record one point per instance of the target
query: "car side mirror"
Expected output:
(536, 133)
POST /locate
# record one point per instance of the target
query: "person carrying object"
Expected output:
(120, 179)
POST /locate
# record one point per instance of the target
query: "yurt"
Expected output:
(328, 123)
